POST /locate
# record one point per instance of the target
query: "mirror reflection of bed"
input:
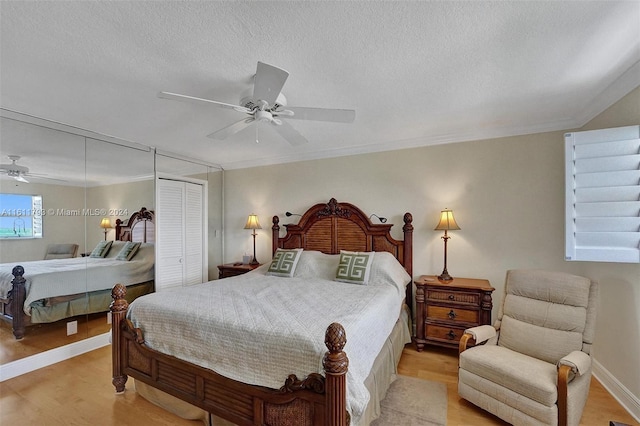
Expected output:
(56, 293)
(82, 170)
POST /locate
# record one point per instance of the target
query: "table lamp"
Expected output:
(105, 224)
(252, 223)
(447, 223)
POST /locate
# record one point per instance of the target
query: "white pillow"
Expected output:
(316, 264)
(284, 262)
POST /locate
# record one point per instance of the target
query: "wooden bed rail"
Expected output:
(315, 400)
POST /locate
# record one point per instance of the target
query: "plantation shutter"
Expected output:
(602, 171)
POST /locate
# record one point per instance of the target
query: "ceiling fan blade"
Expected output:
(19, 178)
(231, 129)
(291, 135)
(44, 177)
(185, 98)
(268, 82)
(322, 114)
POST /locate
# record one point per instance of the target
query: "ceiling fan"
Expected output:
(20, 173)
(267, 104)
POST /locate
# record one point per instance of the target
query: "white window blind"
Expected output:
(602, 172)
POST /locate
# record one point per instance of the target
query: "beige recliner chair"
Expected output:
(535, 365)
(61, 251)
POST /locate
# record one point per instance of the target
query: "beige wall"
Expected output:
(57, 227)
(507, 195)
(120, 201)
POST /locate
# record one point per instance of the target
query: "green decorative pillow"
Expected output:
(101, 249)
(128, 251)
(284, 262)
(354, 267)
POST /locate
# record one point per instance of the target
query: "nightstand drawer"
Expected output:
(448, 314)
(450, 335)
(460, 297)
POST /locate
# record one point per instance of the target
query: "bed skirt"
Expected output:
(55, 309)
(383, 373)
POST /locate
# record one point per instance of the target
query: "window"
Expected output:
(20, 216)
(602, 204)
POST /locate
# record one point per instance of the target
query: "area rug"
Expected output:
(414, 402)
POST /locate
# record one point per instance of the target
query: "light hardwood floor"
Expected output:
(42, 337)
(79, 392)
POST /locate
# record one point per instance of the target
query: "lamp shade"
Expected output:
(447, 221)
(105, 223)
(252, 222)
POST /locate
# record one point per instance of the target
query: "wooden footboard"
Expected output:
(315, 400)
(12, 309)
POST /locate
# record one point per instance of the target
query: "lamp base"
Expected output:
(445, 276)
(254, 262)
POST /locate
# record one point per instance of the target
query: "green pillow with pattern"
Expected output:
(354, 267)
(101, 249)
(284, 262)
(128, 251)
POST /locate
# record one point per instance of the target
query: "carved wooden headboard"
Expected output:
(139, 228)
(334, 226)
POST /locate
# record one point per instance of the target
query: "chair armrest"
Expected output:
(479, 334)
(578, 361)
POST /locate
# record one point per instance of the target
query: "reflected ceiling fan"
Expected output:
(267, 104)
(21, 173)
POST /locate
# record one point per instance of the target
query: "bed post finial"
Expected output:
(118, 309)
(336, 363)
(275, 234)
(17, 296)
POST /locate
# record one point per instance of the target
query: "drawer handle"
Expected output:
(451, 297)
(451, 335)
(452, 314)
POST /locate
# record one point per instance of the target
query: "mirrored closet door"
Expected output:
(82, 189)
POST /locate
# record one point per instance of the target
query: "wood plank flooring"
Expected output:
(79, 392)
(43, 337)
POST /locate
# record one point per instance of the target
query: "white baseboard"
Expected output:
(629, 401)
(34, 362)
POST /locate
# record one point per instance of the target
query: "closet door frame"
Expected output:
(205, 216)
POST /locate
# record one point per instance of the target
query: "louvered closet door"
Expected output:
(171, 238)
(193, 234)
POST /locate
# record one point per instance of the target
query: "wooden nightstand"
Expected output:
(233, 269)
(445, 309)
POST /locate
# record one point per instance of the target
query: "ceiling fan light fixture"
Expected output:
(263, 116)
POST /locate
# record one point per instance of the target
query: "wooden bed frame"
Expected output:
(139, 227)
(314, 400)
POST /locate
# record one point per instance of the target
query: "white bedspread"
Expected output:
(62, 277)
(258, 329)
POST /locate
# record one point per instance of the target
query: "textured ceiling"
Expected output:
(417, 73)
